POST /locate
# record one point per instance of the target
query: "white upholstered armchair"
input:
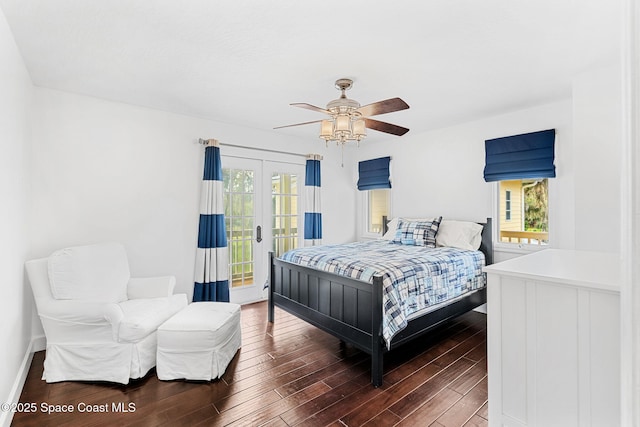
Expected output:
(100, 324)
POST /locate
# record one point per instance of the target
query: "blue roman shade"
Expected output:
(529, 155)
(374, 174)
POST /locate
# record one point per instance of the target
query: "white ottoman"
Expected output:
(198, 342)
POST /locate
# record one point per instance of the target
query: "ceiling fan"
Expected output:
(348, 120)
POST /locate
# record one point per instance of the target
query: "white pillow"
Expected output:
(93, 273)
(391, 229)
(459, 234)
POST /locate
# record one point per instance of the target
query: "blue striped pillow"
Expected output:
(417, 233)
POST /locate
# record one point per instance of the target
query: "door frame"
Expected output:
(263, 217)
(249, 293)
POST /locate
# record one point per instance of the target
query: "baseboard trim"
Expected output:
(14, 396)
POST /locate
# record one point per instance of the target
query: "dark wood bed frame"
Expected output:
(351, 309)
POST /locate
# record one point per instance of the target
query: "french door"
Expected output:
(263, 212)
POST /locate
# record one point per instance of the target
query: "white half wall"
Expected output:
(16, 301)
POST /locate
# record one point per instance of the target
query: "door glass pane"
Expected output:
(226, 207)
(248, 182)
(284, 208)
(239, 210)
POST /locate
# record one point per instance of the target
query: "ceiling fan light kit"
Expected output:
(346, 123)
(349, 121)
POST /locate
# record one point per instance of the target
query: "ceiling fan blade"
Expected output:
(385, 127)
(310, 107)
(382, 107)
(298, 124)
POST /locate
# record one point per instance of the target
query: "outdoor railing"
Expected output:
(531, 237)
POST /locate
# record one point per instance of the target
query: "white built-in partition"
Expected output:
(553, 338)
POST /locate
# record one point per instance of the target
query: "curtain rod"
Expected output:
(214, 141)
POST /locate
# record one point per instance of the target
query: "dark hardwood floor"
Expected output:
(291, 373)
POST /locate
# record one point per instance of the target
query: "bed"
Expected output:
(352, 308)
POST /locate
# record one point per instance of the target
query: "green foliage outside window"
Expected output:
(536, 206)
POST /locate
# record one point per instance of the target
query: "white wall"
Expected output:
(597, 103)
(110, 171)
(441, 172)
(15, 311)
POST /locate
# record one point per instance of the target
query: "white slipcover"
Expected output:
(199, 342)
(100, 324)
(93, 272)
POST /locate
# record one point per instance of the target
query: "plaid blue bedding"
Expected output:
(414, 277)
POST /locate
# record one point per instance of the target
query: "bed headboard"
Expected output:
(385, 226)
(486, 246)
(487, 238)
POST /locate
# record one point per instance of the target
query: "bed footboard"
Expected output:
(346, 308)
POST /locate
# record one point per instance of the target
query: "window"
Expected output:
(374, 179)
(524, 211)
(522, 164)
(378, 202)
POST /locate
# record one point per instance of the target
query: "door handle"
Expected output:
(258, 234)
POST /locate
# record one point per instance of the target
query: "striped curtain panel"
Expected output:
(312, 215)
(212, 256)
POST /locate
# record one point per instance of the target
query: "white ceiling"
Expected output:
(245, 61)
